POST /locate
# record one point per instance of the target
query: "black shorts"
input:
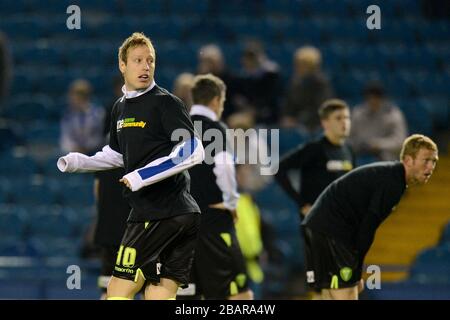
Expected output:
(158, 249)
(330, 264)
(108, 259)
(219, 267)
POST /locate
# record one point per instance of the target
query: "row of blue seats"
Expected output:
(429, 276)
(42, 246)
(403, 83)
(50, 289)
(22, 221)
(24, 165)
(58, 193)
(409, 290)
(55, 51)
(79, 63)
(288, 7)
(56, 267)
(233, 27)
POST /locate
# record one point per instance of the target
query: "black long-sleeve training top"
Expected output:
(351, 208)
(320, 162)
(141, 130)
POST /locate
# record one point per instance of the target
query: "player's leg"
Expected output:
(239, 270)
(132, 264)
(246, 295)
(220, 266)
(340, 294)
(108, 257)
(121, 289)
(176, 257)
(166, 289)
(361, 286)
(331, 266)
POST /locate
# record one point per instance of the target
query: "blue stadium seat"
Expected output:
(77, 195)
(49, 221)
(189, 6)
(11, 7)
(12, 165)
(16, 247)
(432, 265)
(410, 290)
(47, 246)
(13, 221)
(26, 109)
(57, 289)
(34, 195)
(43, 133)
(273, 197)
(20, 289)
(418, 117)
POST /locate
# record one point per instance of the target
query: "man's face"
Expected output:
(421, 167)
(217, 104)
(374, 101)
(338, 123)
(139, 70)
(77, 101)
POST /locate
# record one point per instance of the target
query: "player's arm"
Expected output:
(225, 173)
(294, 160)
(105, 159)
(382, 201)
(108, 158)
(186, 154)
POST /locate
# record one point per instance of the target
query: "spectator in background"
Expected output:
(5, 67)
(182, 88)
(211, 60)
(249, 229)
(308, 89)
(82, 122)
(259, 84)
(378, 126)
(243, 124)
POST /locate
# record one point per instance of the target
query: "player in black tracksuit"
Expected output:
(341, 225)
(153, 138)
(219, 270)
(319, 162)
(322, 161)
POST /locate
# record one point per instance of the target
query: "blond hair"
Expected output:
(309, 55)
(414, 143)
(136, 39)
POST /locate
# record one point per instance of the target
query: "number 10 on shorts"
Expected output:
(127, 256)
